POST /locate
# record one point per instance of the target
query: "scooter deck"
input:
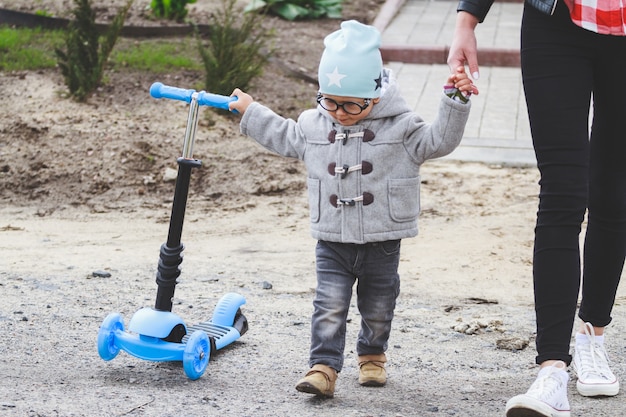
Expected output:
(219, 336)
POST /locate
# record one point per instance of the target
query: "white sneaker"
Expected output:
(547, 396)
(591, 364)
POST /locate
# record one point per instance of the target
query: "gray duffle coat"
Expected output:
(363, 180)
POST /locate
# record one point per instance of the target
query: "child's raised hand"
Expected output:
(462, 82)
(242, 103)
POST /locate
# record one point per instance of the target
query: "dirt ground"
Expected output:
(85, 204)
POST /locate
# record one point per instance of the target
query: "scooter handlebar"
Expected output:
(159, 90)
(214, 100)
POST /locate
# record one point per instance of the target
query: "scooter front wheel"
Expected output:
(196, 355)
(106, 336)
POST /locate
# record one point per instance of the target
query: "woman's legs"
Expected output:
(605, 241)
(576, 173)
(562, 65)
(558, 79)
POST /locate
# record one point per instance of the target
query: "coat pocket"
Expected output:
(314, 190)
(404, 195)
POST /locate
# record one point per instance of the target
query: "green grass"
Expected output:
(157, 55)
(32, 49)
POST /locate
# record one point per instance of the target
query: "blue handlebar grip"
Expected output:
(215, 100)
(159, 90)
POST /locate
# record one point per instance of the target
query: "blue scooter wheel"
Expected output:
(106, 336)
(196, 355)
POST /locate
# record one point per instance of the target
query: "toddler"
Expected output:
(362, 147)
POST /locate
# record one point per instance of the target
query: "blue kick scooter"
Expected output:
(157, 334)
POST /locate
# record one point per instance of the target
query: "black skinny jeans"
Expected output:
(562, 66)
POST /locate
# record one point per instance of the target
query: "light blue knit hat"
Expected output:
(351, 64)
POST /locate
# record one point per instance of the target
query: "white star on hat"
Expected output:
(334, 78)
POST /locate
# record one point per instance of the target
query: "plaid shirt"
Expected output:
(607, 17)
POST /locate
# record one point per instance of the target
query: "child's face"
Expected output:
(337, 105)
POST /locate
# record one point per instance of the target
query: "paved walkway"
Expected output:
(416, 35)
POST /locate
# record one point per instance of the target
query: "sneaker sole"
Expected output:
(524, 406)
(597, 390)
(372, 383)
(311, 389)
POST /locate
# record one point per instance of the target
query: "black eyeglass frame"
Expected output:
(366, 102)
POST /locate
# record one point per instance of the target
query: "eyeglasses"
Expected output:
(349, 106)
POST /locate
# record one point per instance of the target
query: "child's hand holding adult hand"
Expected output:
(462, 82)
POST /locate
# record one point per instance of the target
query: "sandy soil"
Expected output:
(82, 191)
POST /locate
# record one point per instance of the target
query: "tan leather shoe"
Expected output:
(320, 380)
(372, 370)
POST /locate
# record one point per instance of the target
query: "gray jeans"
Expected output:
(339, 265)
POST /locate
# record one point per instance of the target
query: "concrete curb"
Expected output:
(492, 57)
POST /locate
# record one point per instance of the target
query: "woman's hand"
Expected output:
(463, 49)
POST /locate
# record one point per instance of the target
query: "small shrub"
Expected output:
(170, 9)
(82, 63)
(298, 9)
(236, 52)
